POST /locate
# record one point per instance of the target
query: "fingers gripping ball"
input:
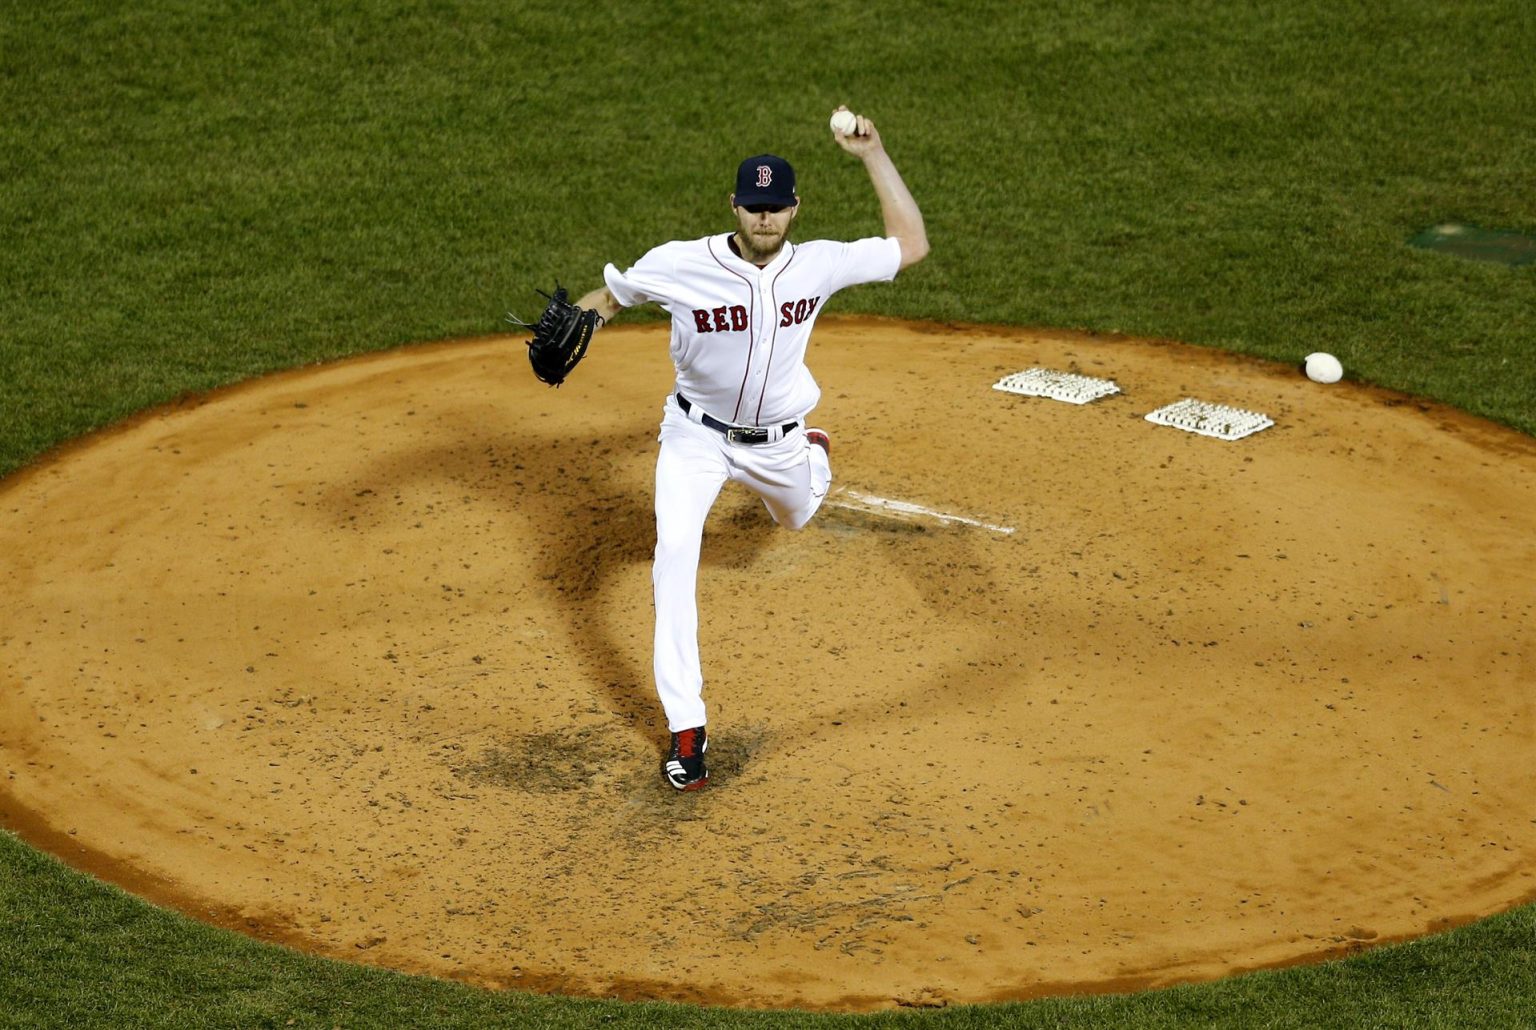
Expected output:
(560, 336)
(845, 121)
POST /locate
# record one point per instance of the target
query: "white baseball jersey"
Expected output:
(739, 332)
(739, 336)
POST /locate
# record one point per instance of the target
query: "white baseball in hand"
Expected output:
(845, 122)
(1323, 368)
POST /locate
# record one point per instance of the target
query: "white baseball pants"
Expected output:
(791, 475)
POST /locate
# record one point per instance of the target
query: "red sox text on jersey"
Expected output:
(732, 318)
(739, 331)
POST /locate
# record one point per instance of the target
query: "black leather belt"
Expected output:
(735, 434)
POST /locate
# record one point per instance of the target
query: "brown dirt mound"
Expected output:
(357, 657)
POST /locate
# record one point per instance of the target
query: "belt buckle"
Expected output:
(736, 434)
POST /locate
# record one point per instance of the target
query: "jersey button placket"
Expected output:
(762, 352)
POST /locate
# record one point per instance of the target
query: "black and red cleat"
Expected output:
(820, 438)
(684, 767)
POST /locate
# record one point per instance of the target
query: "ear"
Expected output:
(733, 201)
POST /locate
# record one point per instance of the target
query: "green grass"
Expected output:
(196, 193)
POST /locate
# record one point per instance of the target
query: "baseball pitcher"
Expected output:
(743, 304)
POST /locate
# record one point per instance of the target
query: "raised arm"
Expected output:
(903, 220)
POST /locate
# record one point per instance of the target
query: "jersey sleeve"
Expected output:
(649, 279)
(873, 260)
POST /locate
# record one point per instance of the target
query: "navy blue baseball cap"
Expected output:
(765, 179)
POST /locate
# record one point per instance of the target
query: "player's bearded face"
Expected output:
(762, 230)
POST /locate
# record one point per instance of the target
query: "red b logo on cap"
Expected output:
(764, 176)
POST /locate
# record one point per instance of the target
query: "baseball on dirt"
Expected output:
(845, 122)
(1323, 368)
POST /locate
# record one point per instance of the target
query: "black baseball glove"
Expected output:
(560, 336)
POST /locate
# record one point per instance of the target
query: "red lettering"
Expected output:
(722, 319)
(795, 312)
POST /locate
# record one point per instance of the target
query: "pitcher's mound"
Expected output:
(1047, 699)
